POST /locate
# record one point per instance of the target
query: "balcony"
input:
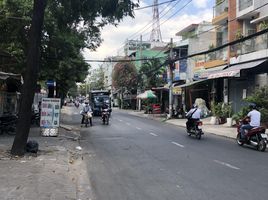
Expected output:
(244, 4)
(220, 13)
(247, 9)
(254, 46)
(212, 59)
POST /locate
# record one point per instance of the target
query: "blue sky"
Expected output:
(114, 37)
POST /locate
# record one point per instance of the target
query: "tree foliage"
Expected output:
(260, 98)
(69, 27)
(150, 74)
(96, 79)
(125, 76)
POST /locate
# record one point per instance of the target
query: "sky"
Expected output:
(131, 28)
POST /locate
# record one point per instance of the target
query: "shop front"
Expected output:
(9, 93)
(241, 80)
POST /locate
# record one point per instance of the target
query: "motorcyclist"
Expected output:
(193, 116)
(255, 120)
(86, 109)
(104, 107)
(76, 103)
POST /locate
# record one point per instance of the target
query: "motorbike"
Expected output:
(8, 124)
(196, 129)
(35, 118)
(105, 115)
(255, 137)
(88, 118)
(76, 104)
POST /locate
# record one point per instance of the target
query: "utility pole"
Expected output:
(139, 89)
(170, 78)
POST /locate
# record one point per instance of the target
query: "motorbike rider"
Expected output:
(193, 116)
(86, 109)
(255, 120)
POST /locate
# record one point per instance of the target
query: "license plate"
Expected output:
(263, 135)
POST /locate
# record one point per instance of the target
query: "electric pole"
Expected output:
(170, 78)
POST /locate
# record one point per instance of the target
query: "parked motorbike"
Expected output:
(88, 118)
(196, 129)
(35, 118)
(105, 115)
(255, 137)
(8, 124)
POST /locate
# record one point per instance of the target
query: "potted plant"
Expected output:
(227, 113)
(216, 111)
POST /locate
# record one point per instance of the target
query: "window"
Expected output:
(243, 4)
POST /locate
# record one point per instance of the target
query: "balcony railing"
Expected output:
(220, 8)
(243, 4)
(217, 55)
(254, 44)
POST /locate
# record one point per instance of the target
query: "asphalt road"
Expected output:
(135, 158)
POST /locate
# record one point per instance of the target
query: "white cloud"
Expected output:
(200, 3)
(114, 37)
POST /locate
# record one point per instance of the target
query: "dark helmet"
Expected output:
(252, 106)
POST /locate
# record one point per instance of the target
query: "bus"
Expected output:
(98, 98)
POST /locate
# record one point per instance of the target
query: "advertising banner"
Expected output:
(50, 113)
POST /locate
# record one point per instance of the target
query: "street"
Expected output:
(138, 158)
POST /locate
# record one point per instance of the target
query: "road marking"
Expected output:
(153, 134)
(138, 128)
(226, 164)
(120, 120)
(128, 124)
(76, 113)
(179, 145)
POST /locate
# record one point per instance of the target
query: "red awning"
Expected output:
(234, 71)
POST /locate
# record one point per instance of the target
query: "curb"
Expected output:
(179, 125)
(66, 127)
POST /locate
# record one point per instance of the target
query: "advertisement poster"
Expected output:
(50, 113)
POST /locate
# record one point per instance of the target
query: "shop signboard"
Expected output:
(50, 116)
(180, 70)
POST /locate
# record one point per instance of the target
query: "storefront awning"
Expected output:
(191, 83)
(4, 76)
(203, 74)
(234, 71)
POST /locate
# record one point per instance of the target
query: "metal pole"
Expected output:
(170, 79)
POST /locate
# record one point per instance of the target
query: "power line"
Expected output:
(224, 45)
(156, 4)
(231, 20)
(171, 17)
(123, 60)
(140, 31)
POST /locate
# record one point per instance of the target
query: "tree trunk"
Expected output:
(28, 90)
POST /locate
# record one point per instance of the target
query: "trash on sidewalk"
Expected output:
(78, 148)
(32, 146)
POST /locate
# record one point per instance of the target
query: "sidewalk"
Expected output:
(221, 130)
(57, 172)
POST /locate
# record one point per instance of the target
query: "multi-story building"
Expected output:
(132, 46)
(196, 38)
(247, 66)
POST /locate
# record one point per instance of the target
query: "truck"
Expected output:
(97, 99)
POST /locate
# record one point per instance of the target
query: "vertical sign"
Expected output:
(177, 71)
(50, 116)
